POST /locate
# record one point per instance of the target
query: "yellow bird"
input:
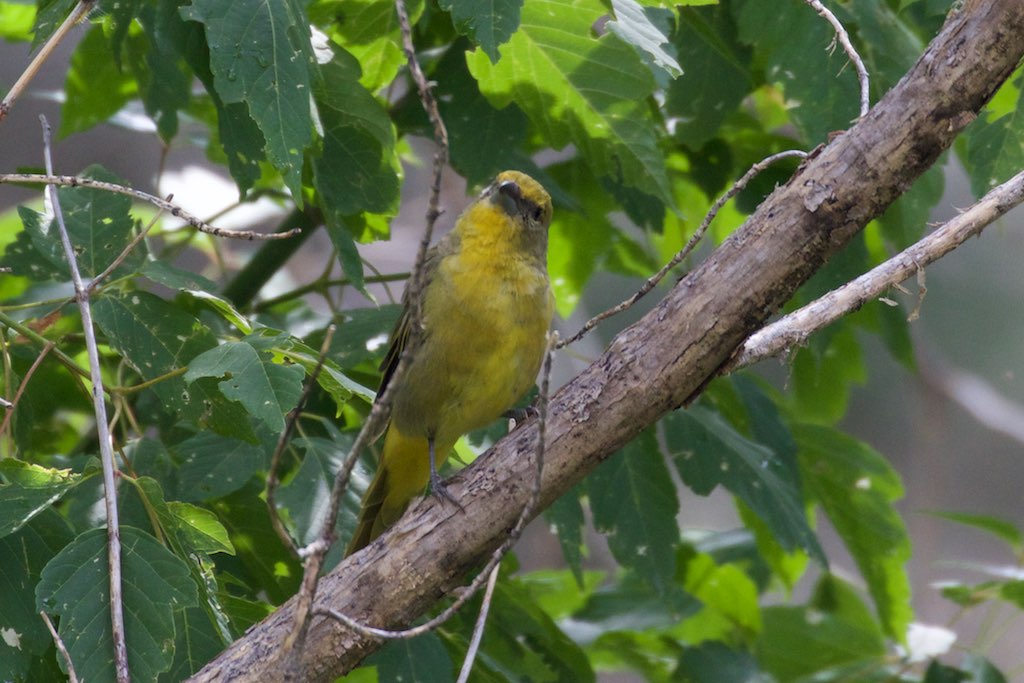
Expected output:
(486, 307)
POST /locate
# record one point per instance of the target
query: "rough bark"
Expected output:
(663, 360)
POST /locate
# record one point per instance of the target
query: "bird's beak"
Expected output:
(509, 195)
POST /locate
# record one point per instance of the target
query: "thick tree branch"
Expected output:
(663, 360)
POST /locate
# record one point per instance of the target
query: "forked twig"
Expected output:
(102, 427)
(794, 329)
(687, 249)
(173, 209)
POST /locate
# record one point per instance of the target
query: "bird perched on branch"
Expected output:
(486, 306)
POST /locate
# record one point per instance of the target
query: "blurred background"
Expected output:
(968, 343)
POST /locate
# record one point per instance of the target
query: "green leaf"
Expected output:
(558, 592)
(165, 82)
(522, 642)
(305, 498)
(995, 143)
(267, 390)
(716, 662)
(716, 74)
(369, 30)
(23, 555)
(16, 21)
(221, 307)
(888, 46)
(1000, 528)
(331, 379)
(728, 597)
(981, 670)
(260, 560)
(940, 673)
(856, 487)
(834, 629)
(155, 338)
(196, 643)
(630, 604)
(165, 274)
(213, 465)
(418, 660)
(634, 503)
(633, 26)
(708, 452)
(905, 220)
(578, 241)
(96, 88)
(51, 14)
(488, 24)
(27, 490)
(200, 529)
(260, 55)
(75, 585)
(792, 42)
(99, 227)
(358, 169)
(565, 516)
(575, 89)
(481, 136)
(822, 379)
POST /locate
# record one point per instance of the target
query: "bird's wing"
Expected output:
(403, 328)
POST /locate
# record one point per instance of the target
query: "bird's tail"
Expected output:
(402, 475)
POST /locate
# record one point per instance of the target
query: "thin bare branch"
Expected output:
(59, 642)
(127, 250)
(794, 329)
(687, 249)
(851, 52)
(478, 629)
(293, 417)
(24, 383)
(79, 13)
(173, 209)
(102, 427)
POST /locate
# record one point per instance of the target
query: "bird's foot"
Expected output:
(439, 489)
(521, 415)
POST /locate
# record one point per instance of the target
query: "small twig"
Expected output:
(293, 417)
(320, 283)
(59, 642)
(173, 209)
(851, 52)
(127, 250)
(691, 244)
(478, 629)
(517, 530)
(24, 383)
(135, 388)
(794, 329)
(102, 427)
(77, 14)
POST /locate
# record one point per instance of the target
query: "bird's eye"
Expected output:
(536, 214)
